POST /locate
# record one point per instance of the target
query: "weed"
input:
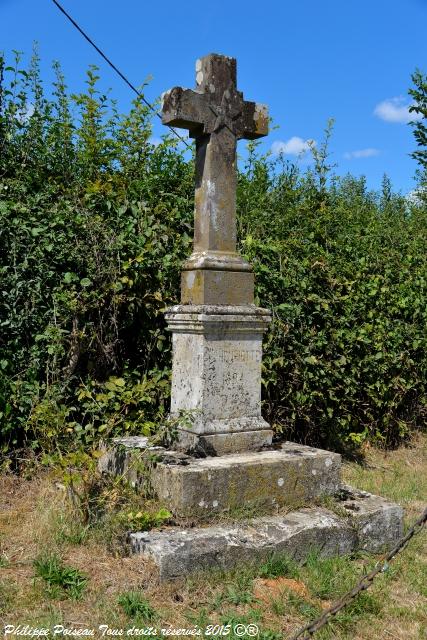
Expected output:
(303, 607)
(279, 607)
(105, 507)
(199, 619)
(60, 578)
(235, 595)
(363, 606)
(279, 565)
(135, 606)
(71, 530)
(143, 520)
(329, 577)
(4, 561)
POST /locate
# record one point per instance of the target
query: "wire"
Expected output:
(306, 632)
(113, 66)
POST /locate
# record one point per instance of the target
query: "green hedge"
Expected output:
(95, 221)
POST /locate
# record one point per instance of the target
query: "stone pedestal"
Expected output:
(285, 477)
(216, 377)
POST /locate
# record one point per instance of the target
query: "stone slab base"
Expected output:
(220, 444)
(286, 475)
(372, 525)
(290, 474)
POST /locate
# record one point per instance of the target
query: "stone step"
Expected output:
(287, 475)
(367, 523)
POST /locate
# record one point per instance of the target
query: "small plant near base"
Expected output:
(328, 577)
(60, 578)
(74, 533)
(299, 604)
(136, 606)
(238, 593)
(103, 507)
(143, 520)
(4, 561)
(279, 566)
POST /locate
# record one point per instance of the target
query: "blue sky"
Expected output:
(308, 60)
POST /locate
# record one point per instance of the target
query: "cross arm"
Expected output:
(186, 109)
(253, 122)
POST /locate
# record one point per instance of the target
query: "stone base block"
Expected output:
(219, 444)
(180, 552)
(378, 523)
(287, 475)
(200, 286)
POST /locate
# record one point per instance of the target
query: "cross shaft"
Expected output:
(216, 115)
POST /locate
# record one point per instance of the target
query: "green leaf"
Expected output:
(69, 277)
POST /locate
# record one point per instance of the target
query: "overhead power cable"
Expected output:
(113, 66)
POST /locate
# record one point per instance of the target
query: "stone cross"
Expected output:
(217, 330)
(216, 115)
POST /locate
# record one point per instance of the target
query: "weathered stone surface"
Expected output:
(378, 522)
(287, 475)
(200, 286)
(216, 115)
(216, 375)
(180, 552)
(221, 444)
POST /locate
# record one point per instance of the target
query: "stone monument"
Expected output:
(217, 330)
(224, 462)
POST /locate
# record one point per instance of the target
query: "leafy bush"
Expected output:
(95, 221)
(346, 356)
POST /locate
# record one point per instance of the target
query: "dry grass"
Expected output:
(35, 513)
(400, 475)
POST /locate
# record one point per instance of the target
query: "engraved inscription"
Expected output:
(239, 355)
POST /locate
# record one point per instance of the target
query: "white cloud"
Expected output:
(295, 146)
(23, 116)
(416, 196)
(395, 110)
(362, 153)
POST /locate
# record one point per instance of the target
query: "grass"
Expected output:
(4, 562)
(84, 581)
(136, 606)
(279, 566)
(59, 578)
